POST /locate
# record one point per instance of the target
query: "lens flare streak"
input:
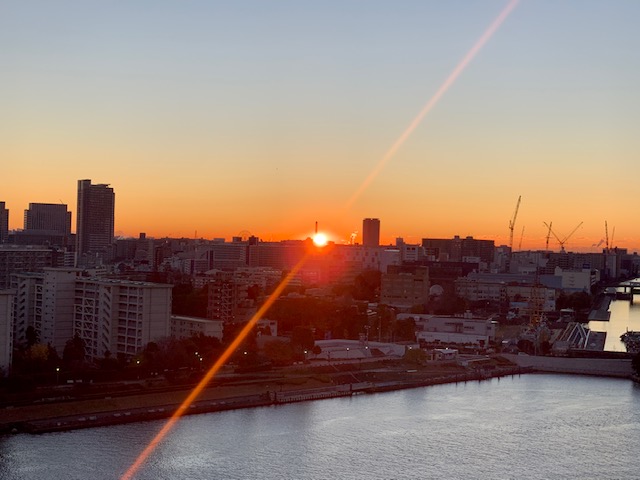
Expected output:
(453, 76)
(211, 373)
(140, 460)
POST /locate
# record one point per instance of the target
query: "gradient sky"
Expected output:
(221, 117)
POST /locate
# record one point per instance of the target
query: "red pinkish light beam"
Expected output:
(141, 459)
(453, 76)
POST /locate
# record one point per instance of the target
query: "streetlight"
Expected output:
(57, 375)
(347, 353)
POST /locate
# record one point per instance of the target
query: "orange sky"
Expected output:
(207, 120)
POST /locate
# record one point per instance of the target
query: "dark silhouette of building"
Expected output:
(456, 249)
(4, 223)
(51, 217)
(95, 223)
(371, 232)
(45, 224)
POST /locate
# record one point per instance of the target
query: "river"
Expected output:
(523, 427)
(623, 316)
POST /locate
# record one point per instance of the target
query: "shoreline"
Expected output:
(275, 388)
(93, 419)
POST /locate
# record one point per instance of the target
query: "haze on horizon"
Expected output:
(217, 118)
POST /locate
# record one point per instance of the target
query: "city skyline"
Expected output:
(218, 119)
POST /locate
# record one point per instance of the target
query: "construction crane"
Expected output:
(564, 240)
(548, 236)
(606, 236)
(613, 234)
(512, 223)
(521, 235)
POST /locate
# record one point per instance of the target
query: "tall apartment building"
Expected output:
(4, 223)
(95, 223)
(120, 316)
(109, 315)
(371, 232)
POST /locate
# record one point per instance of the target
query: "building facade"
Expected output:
(6, 333)
(95, 223)
(16, 259)
(466, 329)
(404, 287)
(371, 232)
(187, 327)
(118, 316)
(50, 217)
(4, 223)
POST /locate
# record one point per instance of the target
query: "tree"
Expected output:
(302, 339)
(74, 351)
(32, 336)
(278, 352)
(405, 329)
(367, 285)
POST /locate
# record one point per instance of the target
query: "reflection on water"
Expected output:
(624, 316)
(531, 427)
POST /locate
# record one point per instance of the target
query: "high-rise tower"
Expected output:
(95, 223)
(371, 232)
(4, 223)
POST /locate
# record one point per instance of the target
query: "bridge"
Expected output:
(629, 289)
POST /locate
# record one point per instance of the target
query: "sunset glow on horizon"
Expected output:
(219, 119)
(235, 122)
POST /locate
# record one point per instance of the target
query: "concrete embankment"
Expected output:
(248, 401)
(606, 367)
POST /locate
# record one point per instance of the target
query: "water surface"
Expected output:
(528, 427)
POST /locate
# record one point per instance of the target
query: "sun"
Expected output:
(320, 239)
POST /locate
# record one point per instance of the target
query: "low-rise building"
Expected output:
(464, 330)
(187, 327)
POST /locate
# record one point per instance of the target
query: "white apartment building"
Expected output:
(27, 305)
(118, 316)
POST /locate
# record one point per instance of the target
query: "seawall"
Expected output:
(606, 367)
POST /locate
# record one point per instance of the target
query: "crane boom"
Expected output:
(521, 235)
(572, 232)
(512, 222)
(564, 240)
(548, 235)
(613, 234)
(606, 235)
